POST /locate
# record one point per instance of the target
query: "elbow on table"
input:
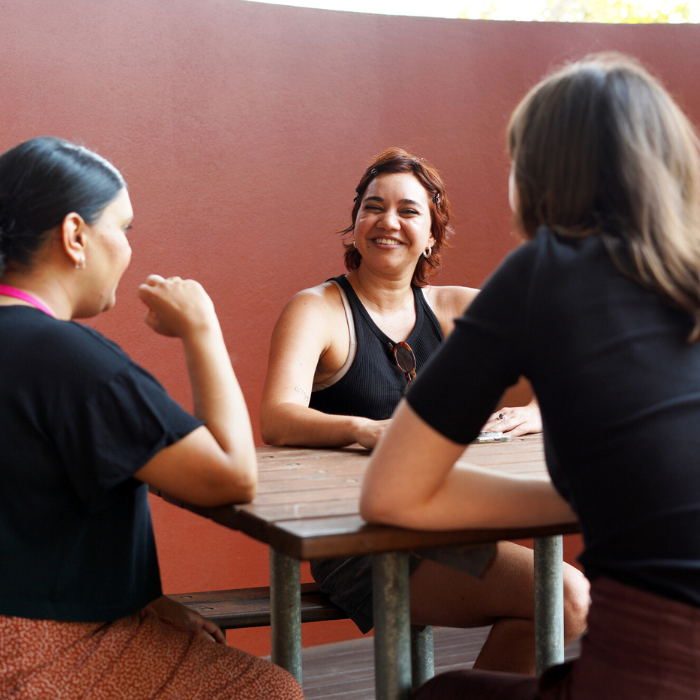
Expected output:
(242, 487)
(246, 479)
(234, 480)
(376, 509)
(248, 491)
(272, 437)
(271, 427)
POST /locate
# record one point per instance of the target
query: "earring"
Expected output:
(353, 243)
(80, 264)
(428, 251)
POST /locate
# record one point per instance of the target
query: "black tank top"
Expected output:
(373, 384)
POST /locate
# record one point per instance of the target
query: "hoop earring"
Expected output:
(428, 251)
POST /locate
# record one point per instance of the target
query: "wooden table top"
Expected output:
(308, 502)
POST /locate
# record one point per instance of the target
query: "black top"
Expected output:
(373, 384)
(77, 419)
(619, 389)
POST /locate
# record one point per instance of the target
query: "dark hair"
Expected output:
(41, 182)
(396, 160)
(601, 148)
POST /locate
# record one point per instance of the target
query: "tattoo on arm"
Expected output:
(299, 390)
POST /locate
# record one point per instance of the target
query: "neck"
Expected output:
(385, 293)
(46, 291)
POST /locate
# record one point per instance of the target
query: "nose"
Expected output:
(389, 221)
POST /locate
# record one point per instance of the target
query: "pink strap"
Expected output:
(8, 291)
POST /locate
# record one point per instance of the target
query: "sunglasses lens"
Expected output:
(404, 359)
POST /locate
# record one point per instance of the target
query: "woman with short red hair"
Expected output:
(342, 355)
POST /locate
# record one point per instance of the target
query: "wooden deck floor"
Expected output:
(345, 671)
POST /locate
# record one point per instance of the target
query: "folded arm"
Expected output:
(412, 481)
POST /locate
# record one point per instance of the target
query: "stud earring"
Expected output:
(80, 264)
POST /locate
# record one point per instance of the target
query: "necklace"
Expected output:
(8, 291)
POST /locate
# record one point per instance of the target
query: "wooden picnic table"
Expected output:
(307, 508)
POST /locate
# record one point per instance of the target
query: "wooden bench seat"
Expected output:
(250, 607)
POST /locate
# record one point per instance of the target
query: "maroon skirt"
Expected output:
(639, 646)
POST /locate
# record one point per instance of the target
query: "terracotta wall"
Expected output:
(242, 129)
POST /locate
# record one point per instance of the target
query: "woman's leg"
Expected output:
(504, 597)
(478, 685)
(140, 656)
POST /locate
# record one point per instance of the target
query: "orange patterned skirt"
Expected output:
(140, 656)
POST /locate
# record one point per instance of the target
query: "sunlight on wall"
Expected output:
(673, 11)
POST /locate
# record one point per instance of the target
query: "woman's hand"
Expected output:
(189, 619)
(176, 307)
(369, 431)
(516, 421)
(215, 463)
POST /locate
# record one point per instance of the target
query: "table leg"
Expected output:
(422, 655)
(549, 602)
(285, 612)
(392, 642)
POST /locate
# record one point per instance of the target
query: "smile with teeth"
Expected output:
(387, 241)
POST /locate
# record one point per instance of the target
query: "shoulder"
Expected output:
(450, 300)
(314, 304)
(517, 268)
(69, 344)
(448, 303)
(92, 346)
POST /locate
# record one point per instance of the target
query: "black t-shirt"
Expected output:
(77, 419)
(619, 389)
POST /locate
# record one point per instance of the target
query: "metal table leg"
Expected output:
(549, 602)
(392, 643)
(285, 612)
(422, 656)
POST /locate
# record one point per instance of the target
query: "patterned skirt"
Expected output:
(140, 656)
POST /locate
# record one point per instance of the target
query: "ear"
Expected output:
(73, 229)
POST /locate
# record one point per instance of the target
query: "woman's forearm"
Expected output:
(218, 399)
(473, 497)
(412, 481)
(294, 424)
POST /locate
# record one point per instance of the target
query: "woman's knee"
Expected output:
(576, 602)
(281, 684)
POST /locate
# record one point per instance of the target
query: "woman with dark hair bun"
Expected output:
(600, 310)
(341, 357)
(84, 432)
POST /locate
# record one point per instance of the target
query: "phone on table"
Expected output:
(492, 436)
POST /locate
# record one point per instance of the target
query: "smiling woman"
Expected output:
(341, 357)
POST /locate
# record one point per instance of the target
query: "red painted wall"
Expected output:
(242, 129)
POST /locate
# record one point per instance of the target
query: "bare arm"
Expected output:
(216, 463)
(448, 303)
(412, 481)
(302, 336)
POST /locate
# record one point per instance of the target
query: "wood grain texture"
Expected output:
(308, 502)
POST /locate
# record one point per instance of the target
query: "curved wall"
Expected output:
(242, 129)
